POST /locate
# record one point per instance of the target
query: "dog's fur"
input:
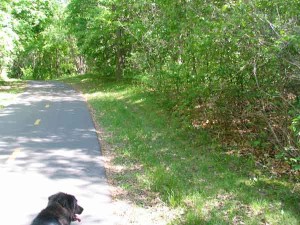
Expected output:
(61, 210)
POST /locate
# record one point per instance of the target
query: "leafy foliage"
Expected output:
(39, 46)
(7, 34)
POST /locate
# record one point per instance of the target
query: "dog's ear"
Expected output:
(50, 197)
(63, 202)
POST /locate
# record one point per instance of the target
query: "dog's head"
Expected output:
(69, 202)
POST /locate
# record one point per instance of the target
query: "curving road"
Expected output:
(48, 144)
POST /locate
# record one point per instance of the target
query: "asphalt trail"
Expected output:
(48, 144)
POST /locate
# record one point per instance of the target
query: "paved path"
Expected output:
(48, 144)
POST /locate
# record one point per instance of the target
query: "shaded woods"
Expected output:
(229, 68)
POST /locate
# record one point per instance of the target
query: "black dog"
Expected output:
(61, 210)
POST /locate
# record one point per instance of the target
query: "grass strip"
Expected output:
(184, 168)
(9, 90)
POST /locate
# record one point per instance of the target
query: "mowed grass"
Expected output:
(9, 90)
(184, 168)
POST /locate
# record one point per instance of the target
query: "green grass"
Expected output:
(9, 90)
(185, 167)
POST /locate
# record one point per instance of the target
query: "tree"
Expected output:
(43, 50)
(101, 24)
(7, 36)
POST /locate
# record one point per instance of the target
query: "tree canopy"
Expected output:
(39, 45)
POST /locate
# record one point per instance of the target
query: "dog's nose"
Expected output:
(79, 210)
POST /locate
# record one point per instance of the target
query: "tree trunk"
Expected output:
(119, 48)
(119, 54)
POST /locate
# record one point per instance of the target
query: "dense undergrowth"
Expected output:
(188, 168)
